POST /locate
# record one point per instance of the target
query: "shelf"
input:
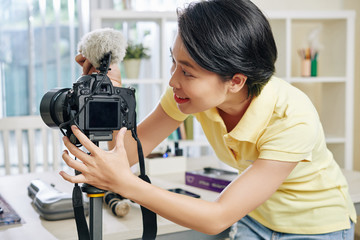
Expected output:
(316, 79)
(331, 43)
(335, 140)
(331, 91)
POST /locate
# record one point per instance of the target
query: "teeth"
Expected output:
(180, 97)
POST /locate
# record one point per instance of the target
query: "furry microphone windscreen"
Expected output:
(94, 45)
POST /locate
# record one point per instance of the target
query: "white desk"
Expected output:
(14, 190)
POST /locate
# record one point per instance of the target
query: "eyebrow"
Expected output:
(186, 63)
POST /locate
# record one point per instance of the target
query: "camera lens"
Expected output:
(53, 109)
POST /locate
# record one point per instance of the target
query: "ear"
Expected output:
(237, 82)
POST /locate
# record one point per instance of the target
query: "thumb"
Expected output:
(80, 59)
(120, 138)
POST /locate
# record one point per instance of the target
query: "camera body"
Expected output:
(107, 108)
(93, 104)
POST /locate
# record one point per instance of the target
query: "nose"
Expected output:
(173, 82)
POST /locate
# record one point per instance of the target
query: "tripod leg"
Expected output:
(95, 218)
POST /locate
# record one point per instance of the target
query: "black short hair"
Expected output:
(229, 37)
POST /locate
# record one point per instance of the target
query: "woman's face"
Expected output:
(195, 89)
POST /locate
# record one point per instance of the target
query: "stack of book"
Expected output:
(210, 178)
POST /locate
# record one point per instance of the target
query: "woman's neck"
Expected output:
(234, 109)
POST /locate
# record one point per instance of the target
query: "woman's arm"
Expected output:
(110, 171)
(241, 197)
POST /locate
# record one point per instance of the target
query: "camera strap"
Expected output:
(79, 213)
(148, 216)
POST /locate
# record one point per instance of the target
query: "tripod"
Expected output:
(95, 215)
(96, 195)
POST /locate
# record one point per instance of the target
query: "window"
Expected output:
(39, 40)
(38, 44)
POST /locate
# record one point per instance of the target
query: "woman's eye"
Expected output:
(186, 74)
(172, 69)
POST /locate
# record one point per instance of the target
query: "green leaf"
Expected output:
(136, 51)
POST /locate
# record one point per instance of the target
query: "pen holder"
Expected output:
(306, 68)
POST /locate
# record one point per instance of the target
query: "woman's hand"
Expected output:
(114, 72)
(107, 170)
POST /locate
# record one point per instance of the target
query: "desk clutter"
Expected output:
(8, 215)
(119, 205)
(166, 163)
(51, 203)
(212, 179)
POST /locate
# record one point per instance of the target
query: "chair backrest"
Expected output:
(27, 144)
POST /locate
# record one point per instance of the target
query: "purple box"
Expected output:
(210, 178)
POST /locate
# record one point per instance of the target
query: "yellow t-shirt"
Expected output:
(282, 124)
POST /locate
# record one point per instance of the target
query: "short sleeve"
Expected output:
(169, 105)
(292, 141)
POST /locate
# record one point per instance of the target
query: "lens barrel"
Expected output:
(52, 107)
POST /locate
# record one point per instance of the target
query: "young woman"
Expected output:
(290, 186)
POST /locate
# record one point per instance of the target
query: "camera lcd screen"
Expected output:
(103, 115)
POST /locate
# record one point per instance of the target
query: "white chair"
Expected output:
(28, 145)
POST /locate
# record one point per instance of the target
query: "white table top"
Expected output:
(14, 190)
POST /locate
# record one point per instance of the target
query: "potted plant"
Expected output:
(134, 54)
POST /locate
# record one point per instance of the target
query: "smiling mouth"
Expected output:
(180, 99)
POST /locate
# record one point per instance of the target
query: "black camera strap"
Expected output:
(149, 217)
(79, 213)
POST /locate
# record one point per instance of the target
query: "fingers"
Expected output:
(85, 141)
(73, 163)
(115, 75)
(73, 179)
(80, 59)
(88, 68)
(75, 150)
(120, 138)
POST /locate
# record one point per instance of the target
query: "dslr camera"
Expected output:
(94, 105)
